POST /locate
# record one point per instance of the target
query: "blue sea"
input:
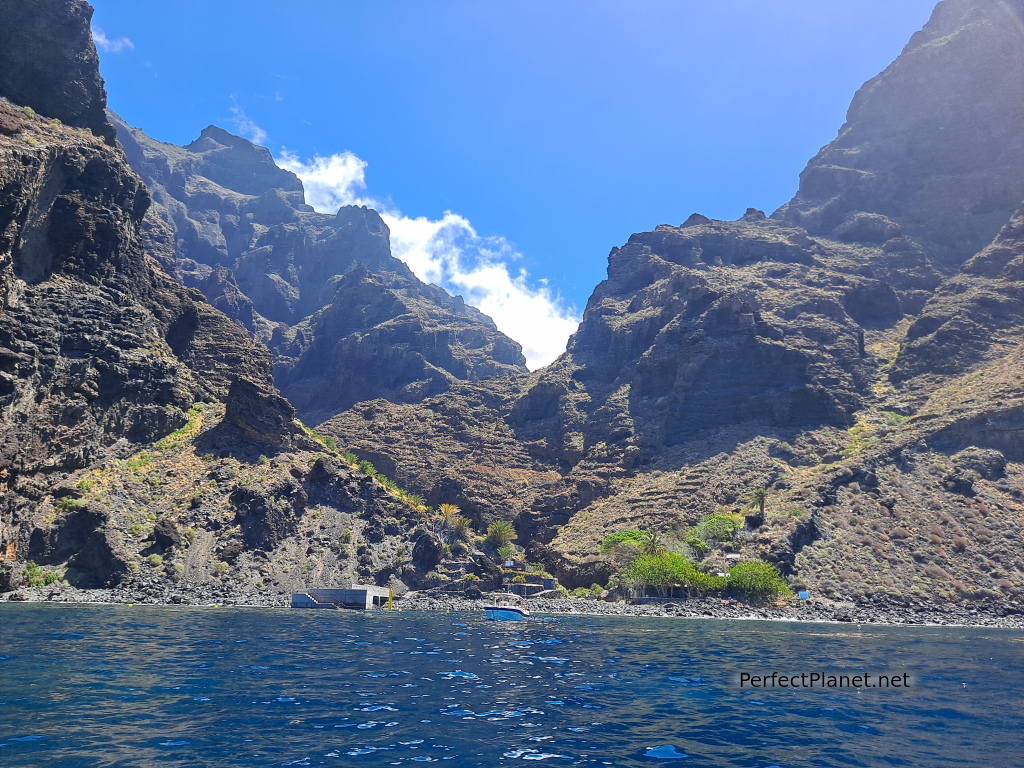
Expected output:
(167, 686)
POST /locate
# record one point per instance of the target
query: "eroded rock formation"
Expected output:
(346, 321)
(142, 439)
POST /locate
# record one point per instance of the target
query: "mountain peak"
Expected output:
(934, 143)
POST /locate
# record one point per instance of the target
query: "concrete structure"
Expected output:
(362, 596)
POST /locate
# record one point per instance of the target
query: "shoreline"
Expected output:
(815, 611)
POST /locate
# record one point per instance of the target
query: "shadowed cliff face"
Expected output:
(975, 318)
(932, 145)
(346, 321)
(48, 62)
(742, 327)
(857, 356)
(141, 437)
(100, 353)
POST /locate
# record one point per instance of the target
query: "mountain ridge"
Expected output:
(841, 379)
(304, 282)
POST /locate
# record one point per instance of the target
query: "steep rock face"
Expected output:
(346, 321)
(141, 438)
(855, 358)
(712, 327)
(974, 318)
(931, 510)
(383, 335)
(704, 337)
(100, 351)
(48, 62)
(932, 146)
(456, 447)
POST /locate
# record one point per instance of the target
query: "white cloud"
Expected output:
(330, 182)
(246, 126)
(449, 252)
(107, 45)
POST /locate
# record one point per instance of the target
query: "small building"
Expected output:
(361, 596)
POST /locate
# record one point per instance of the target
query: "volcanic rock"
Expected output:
(931, 146)
(346, 321)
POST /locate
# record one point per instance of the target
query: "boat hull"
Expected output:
(503, 613)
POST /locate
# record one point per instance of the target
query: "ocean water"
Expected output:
(166, 686)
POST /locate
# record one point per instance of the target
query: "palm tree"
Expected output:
(759, 496)
(459, 527)
(448, 511)
(652, 544)
(500, 533)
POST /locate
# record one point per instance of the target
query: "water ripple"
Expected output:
(83, 686)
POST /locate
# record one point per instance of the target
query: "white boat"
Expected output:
(506, 610)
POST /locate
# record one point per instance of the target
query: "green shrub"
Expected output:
(519, 579)
(697, 544)
(719, 527)
(471, 577)
(459, 526)
(155, 560)
(331, 443)
(178, 437)
(136, 529)
(138, 462)
(350, 457)
(594, 590)
(368, 468)
(220, 568)
(669, 569)
(894, 419)
(68, 504)
(35, 576)
(757, 581)
(346, 536)
(414, 500)
(621, 537)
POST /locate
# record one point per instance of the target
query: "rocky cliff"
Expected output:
(48, 63)
(855, 358)
(843, 377)
(142, 439)
(345, 320)
(931, 146)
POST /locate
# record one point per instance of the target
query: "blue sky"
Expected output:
(511, 144)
